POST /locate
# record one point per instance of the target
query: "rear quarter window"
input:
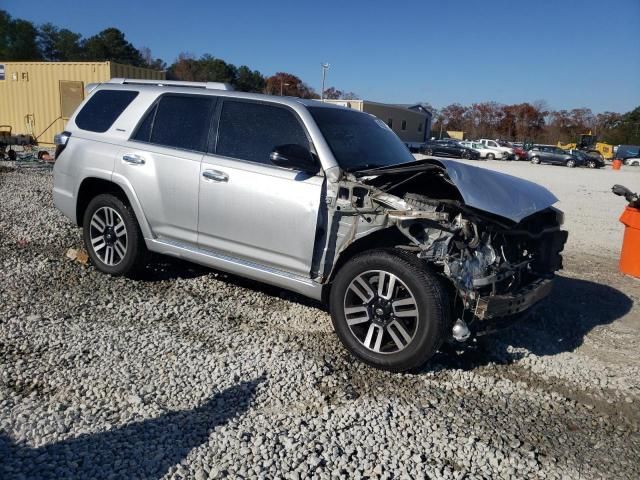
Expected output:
(103, 108)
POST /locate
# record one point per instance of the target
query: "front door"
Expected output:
(249, 208)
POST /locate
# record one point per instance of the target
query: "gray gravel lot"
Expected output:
(192, 373)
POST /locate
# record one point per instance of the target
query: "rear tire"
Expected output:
(112, 236)
(428, 152)
(397, 327)
(490, 156)
(570, 163)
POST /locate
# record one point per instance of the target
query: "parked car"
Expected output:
(627, 151)
(553, 155)
(632, 161)
(449, 148)
(519, 152)
(315, 198)
(589, 160)
(505, 152)
(485, 152)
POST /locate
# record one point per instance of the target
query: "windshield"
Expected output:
(359, 141)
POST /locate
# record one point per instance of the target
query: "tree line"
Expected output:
(21, 40)
(535, 122)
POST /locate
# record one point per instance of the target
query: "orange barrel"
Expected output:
(617, 164)
(630, 255)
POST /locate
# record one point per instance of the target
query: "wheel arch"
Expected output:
(94, 186)
(388, 237)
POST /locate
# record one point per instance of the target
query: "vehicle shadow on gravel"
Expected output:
(145, 449)
(162, 268)
(560, 324)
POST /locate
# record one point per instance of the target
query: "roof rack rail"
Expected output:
(172, 83)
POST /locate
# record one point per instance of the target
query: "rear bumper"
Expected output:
(63, 197)
(497, 306)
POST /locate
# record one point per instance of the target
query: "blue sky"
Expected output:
(569, 53)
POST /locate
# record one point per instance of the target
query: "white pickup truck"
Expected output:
(504, 152)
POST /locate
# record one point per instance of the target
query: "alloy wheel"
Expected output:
(381, 312)
(108, 234)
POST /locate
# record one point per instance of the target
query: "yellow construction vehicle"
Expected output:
(589, 144)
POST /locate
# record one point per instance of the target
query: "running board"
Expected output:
(237, 266)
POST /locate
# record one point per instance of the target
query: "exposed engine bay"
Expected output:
(495, 238)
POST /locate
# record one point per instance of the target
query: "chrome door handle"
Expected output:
(133, 159)
(215, 175)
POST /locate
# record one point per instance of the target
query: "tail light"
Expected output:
(61, 140)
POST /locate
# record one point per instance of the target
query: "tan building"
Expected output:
(37, 98)
(411, 123)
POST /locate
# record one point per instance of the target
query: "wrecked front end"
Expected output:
(494, 239)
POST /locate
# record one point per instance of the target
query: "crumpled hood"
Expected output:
(492, 192)
(498, 193)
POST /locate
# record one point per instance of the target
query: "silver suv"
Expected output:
(311, 197)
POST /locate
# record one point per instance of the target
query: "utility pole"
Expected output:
(282, 85)
(325, 67)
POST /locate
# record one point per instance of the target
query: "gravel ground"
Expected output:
(191, 373)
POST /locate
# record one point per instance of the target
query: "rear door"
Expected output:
(162, 159)
(557, 156)
(249, 208)
(545, 155)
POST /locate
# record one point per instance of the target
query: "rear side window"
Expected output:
(251, 131)
(178, 121)
(103, 108)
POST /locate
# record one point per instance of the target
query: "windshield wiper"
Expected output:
(418, 164)
(364, 167)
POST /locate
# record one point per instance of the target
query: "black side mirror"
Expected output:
(294, 156)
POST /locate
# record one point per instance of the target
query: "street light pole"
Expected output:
(325, 67)
(283, 84)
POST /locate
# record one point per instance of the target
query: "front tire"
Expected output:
(570, 163)
(388, 310)
(490, 156)
(112, 236)
(535, 160)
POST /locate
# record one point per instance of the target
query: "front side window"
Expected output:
(251, 131)
(359, 141)
(178, 121)
(103, 108)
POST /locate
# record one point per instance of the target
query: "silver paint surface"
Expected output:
(498, 193)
